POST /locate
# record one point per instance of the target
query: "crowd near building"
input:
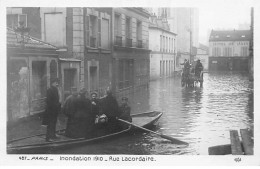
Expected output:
(97, 48)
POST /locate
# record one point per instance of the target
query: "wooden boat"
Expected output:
(37, 144)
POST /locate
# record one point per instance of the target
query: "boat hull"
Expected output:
(39, 145)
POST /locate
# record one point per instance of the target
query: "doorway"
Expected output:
(69, 81)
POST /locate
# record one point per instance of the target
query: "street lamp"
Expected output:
(23, 31)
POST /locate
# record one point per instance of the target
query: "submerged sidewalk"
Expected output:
(31, 125)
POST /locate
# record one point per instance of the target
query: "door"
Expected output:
(69, 81)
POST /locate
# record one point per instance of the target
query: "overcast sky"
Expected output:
(224, 17)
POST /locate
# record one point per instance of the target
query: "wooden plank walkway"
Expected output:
(247, 142)
(236, 147)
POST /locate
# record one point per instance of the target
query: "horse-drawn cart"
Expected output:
(190, 79)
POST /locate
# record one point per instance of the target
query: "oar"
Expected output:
(159, 134)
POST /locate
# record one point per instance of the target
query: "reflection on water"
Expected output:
(200, 116)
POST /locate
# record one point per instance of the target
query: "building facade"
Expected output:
(131, 64)
(162, 43)
(185, 23)
(30, 66)
(97, 47)
(203, 55)
(229, 50)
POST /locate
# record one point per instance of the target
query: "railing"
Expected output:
(118, 40)
(93, 41)
(139, 44)
(128, 42)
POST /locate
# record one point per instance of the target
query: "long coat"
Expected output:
(53, 105)
(110, 106)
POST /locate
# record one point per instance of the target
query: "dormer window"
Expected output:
(216, 36)
(243, 36)
(228, 36)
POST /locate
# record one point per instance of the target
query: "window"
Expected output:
(128, 32)
(216, 51)
(166, 44)
(244, 51)
(14, 19)
(117, 25)
(227, 51)
(105, 34)
(161, 43)
(54, 29)
(139, 34)
(93, 25)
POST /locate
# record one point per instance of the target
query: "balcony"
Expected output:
(128, 42)
(139, 43)
(93, 41)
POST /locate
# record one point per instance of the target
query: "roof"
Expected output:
(160, 23)
(14, 39)
(230, 35)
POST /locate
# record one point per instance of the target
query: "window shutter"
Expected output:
(87, 30)
(99, 32)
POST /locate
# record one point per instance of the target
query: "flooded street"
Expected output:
(200, 116)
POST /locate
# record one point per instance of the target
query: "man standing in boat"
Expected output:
(53, 108)
(111, 110)
(125, 112)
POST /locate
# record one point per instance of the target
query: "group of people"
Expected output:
(187, 68)
(87, 117)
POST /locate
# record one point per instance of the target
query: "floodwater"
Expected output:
(200, 116)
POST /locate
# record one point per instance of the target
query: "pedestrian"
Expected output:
(111, 110)
(53, 108)
(125, 112)
(69, 109)
(198, 68)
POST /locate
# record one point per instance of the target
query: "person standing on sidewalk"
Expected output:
(53, 107)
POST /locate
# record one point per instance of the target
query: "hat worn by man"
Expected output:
(93, 93)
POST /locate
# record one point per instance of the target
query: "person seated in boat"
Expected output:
(198, 68)
(69, 109)
(111, 109)
(125, 111)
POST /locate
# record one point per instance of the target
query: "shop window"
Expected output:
(39, 79)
